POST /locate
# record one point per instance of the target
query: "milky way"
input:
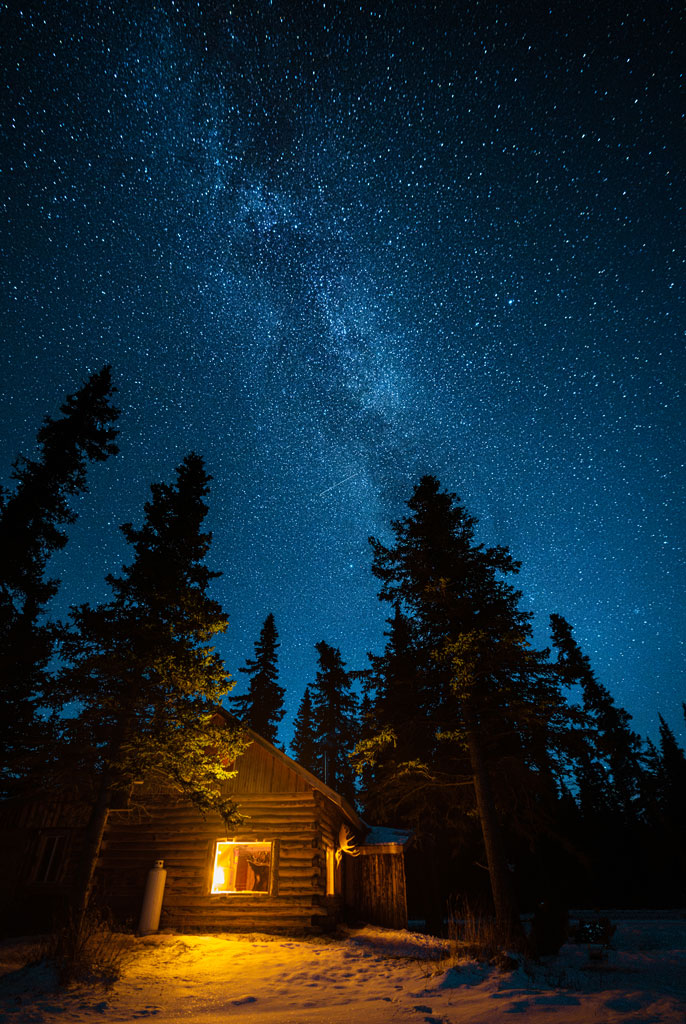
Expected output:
(334, 247)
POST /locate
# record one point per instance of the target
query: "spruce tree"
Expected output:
(402, 695)
(144, 670)
(609, 776)
(672, 784)
(495, 709)
(334, 717)
(396, 729)
(261, 707)
(663, 877)
(32, 517)
(304, 743)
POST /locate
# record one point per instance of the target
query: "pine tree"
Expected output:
(333, 718)
(396, 729)
(493, 703)
(609, 775)
(672, 781)
(145, 672)
(664, 800)
(32, 517)
(262, 707)
(304, 744)
(402, 695)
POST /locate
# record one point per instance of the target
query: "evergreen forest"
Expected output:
(520, 778)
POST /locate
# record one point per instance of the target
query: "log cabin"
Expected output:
(303, 859)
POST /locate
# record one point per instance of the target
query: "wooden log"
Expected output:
(236, 902)
(171, 827)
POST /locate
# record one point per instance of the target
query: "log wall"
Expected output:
(281, 806)
(185, 841)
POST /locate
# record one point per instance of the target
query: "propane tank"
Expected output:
(152, 900)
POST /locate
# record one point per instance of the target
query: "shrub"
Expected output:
(598, 931)
(89, 952)
(473, 934)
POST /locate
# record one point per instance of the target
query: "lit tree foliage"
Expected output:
(398, 733)
(144, 670)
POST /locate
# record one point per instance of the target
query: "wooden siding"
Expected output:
(282, 804)
(33, 814)
(376, 888)
(330, 821)
(28, 905)
(261, 771)
(185, 841)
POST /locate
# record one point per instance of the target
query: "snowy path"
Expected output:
(373, 976)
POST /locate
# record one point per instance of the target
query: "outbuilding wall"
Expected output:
(376, 887)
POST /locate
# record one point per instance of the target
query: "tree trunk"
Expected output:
(92, 841)
(110, 784)
(507, 918)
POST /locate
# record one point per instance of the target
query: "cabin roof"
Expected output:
(307, 776)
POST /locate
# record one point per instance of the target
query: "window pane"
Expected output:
(242, 867)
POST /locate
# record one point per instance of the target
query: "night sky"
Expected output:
(333, 247)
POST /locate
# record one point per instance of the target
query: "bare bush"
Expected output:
(88, 952)
(473, 934)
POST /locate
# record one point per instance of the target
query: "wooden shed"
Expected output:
(302, 858)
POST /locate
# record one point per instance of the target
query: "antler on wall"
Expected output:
(346, 844)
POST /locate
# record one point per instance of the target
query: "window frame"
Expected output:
(332, 887)
(232, 893)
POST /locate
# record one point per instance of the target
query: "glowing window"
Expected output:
(330, 871)
(242, 867)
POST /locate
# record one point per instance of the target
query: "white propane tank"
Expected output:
(152, 900)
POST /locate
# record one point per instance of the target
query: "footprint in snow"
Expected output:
(430, 1019)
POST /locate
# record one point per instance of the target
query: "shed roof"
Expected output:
(381, 839)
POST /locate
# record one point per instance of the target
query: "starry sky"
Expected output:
(335, 246)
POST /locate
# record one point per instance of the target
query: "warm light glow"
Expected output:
(242, 867)
(330, 872)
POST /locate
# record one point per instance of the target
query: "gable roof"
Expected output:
(307, 776)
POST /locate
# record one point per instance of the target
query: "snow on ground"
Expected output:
(368, 975)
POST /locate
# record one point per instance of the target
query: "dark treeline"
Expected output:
(519, 776)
